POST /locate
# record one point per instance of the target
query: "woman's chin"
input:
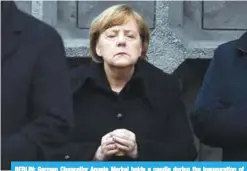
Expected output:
(122, 63)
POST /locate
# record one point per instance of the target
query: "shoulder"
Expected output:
(222, 61)
(37, 30)
(225, 53)
(163, 90)
(226, 47)
(159, 80)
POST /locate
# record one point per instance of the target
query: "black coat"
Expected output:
(221, 116)
(149, 106)
(36, 99)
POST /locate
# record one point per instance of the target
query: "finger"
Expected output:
(118, 130)
(107, 136)
(118, 133)
(108, 141)
(122, 141)
(130, 134)
(121, 136)
(122, 148)
(110, 147)
(112, 152)
(124, 133)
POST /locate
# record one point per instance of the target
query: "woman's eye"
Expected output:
(131, 36)
(111, 36)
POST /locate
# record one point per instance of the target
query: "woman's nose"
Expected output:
(121, 40)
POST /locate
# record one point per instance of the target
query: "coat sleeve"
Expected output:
(178, 142)
(216, 123)
(50, 105)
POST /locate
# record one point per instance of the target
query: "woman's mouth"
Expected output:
(121, 53)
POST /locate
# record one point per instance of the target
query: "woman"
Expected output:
(125, 108)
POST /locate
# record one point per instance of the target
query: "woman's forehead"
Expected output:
(129, 26)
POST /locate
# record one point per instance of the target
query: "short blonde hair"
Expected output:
(117, 15)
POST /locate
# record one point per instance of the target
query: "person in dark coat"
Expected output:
(36, 98)
(125, 108)
(220, 118)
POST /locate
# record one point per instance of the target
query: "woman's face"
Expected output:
(120, 46)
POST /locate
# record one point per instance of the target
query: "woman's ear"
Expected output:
(98, 50)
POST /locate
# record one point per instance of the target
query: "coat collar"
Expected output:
(138, 81)
(11, 17)
(94, 73)
(151, 80)
(12, 25)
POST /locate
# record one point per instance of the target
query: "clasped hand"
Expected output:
(117, 142)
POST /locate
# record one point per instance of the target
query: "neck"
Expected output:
(118, 77)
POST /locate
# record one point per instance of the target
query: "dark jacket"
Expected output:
(148, 105)
(36, 101)
(221, 116)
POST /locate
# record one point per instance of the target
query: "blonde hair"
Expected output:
(117, 15)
